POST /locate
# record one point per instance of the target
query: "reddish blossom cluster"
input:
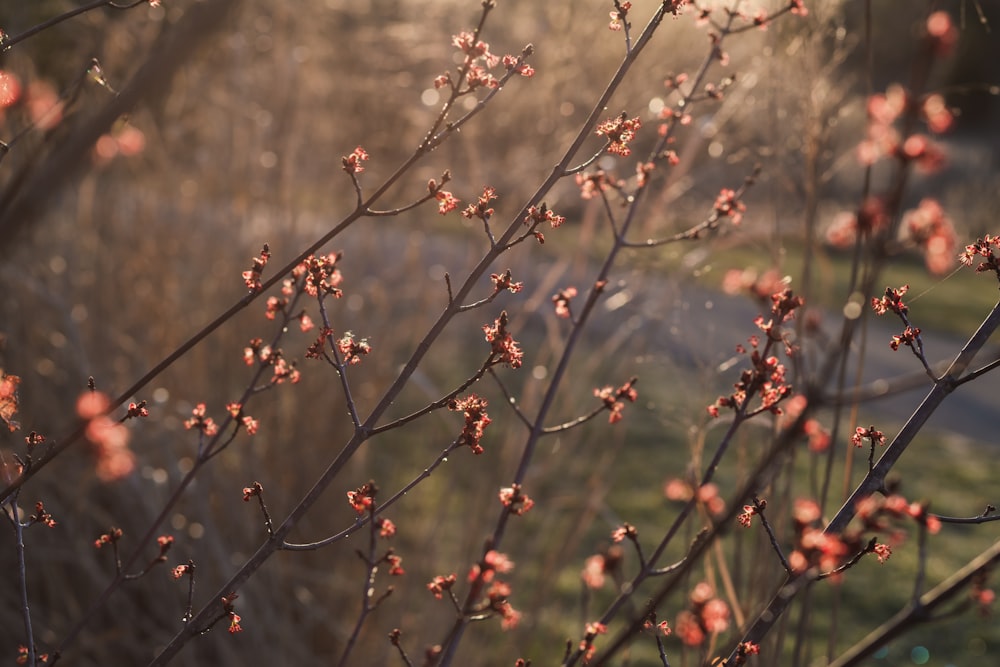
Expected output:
(612, 398)
(316, 349)
(481, 209)
(110, 537)
(882, 140)
(201, 423)
(505, 281)
(818, 437)
(541, 214)
(618, 16)
(760, 287)
(362, 499)
(813, 547)
(875, 511)
(322, 276)
(516, 501)
(892, 301)
(447, 202)
(351, 349)
(561, 300)
(386, 528)
(941, 33)
(108, 438)
(871, 434)
(598, 566)
(252, 276)
(766, 378)
(728, 205)
(485, 572)
(181, 570)
(909, 337)
(252, 491)
(234, 618)
(395, 564)
(22, 651)
(504, 347)
(42, 516)
(479, 60)
(352, 162)
(745, 518)
(619, 132)
(591, 630)
(679, 490)
(593, 183)
(932, 230)
(706, 615)
(476, 420)
(983, 248)
(439, 584)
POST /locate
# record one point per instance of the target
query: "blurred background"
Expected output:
(119, 245)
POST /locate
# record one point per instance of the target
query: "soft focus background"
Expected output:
(110, 262)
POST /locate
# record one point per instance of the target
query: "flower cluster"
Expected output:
(728, 205)
(477, 62)
(485, 572)
(42, 516)
(504, 347)
(516, 501)
(505, 281)
(541, 214)
(984, 248)
(321, 274)
(107, 437)
(706, 615)
(352, 349)
(612, 398)
(618, 16)
(110, 537)
(619, 132)
(481, 209)
(596, 568)
(8, 399)
(745, 518)
(591, 630)
(476, 420)
(817, 435)
(932, 230)
(892, 301)
(352, 162)
(765, 378)
(874, 513)
(882, 140)
(680, 490)
(593, 183)
(561, 301)
(201, 423)
(870, 434)
(439, 584)
(395, 564)
(251, 277)
(362, 499)
(813, 547)
(909, 337)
